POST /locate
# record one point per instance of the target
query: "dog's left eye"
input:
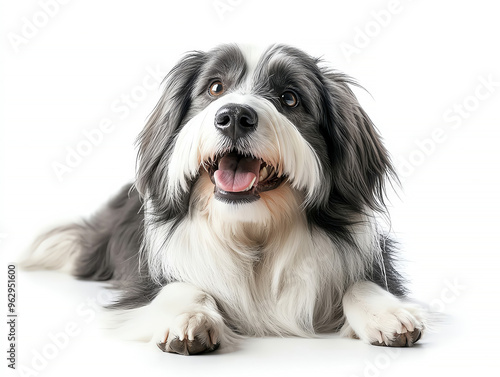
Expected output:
(290, 99)
(216, 88)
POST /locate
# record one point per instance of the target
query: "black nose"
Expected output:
(235, 120)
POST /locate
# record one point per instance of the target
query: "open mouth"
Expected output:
(240, 178)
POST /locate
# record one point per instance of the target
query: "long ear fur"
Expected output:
(160, 131)
(360, 165)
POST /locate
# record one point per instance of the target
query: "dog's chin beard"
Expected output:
(239, 178)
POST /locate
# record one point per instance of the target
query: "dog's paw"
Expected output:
(399, 327)
(191, 334)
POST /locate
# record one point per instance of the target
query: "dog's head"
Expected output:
(249, 136)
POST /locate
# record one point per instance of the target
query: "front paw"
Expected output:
(398, 325)
(191, 334)
(401, 327)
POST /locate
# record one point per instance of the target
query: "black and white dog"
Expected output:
(259, 179)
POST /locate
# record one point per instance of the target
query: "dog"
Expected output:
(254, 212)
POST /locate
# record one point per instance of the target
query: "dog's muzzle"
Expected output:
(238, 175)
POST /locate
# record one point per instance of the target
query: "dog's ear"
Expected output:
(360, 163)
(164, 123)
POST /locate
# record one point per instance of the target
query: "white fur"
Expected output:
(270, 275)
(374, 315)
(55, 250)
(252, 55)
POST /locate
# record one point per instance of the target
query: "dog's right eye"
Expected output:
(216, 88)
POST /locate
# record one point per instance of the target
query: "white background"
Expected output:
(72, 71)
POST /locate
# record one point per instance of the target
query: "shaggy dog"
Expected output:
(259, 181)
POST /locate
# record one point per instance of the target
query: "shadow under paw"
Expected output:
(187, 347)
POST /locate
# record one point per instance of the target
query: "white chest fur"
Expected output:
(277, 279)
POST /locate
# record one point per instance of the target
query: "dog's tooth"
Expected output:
(263, 174)
(271, 172)
(251, 184)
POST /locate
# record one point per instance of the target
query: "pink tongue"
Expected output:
(236, 173)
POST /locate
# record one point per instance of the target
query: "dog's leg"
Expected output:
(181, 319)
(380, 318)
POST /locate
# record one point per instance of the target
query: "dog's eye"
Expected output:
(216, 88)
(290, 99)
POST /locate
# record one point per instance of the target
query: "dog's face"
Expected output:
(247, 137)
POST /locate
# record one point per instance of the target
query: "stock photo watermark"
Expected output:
(222, 7)
(363, 36)
(34, 24)
(452, 290)
(453, 117)
(121, 108)
(11, 316)
(59, 340)
(381, 362)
